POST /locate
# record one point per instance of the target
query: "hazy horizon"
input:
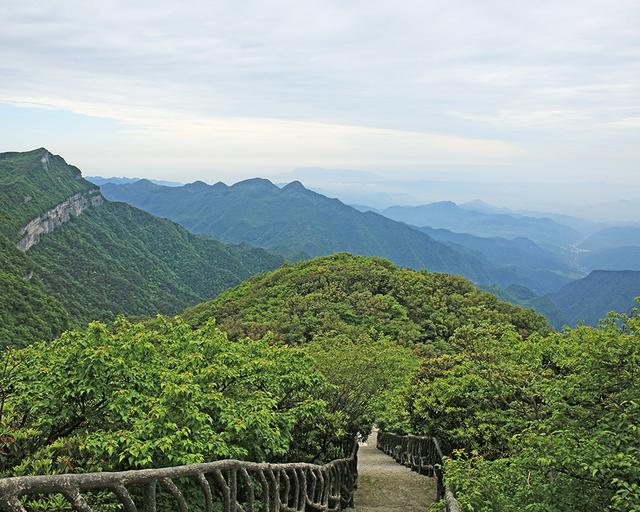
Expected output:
(395, 194)
(537, 99)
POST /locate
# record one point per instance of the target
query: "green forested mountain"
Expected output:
(28, 310)
(449, 215)
(588, 300)
(358, 296)
(83, 258)
(297, 222)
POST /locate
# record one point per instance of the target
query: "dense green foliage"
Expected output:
(354, 314)
(27, 310)
(111, 259)
(356, 295)
(549, 423)
(119, 259)
(130, 397)
(290, 364)
(297, 222)
(516, 294)
(369, 377)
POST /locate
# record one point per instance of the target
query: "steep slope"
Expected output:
(28, 311)
(449, 215)
(297, 222)
(358, 296)
(69, 256)
(535, 267)
(588, 300)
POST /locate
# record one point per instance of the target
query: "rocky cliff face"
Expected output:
(46, 223)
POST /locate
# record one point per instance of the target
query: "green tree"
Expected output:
(131, 397)
(546, 424)
(369, 375)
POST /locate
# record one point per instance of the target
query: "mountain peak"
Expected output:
(197, 185)
(219, 186)
(255, 184)
(145, 183)
(294, 186)
(444, 204)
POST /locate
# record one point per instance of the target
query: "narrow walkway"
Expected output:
(385, 485)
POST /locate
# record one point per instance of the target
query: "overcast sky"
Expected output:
(485, 90)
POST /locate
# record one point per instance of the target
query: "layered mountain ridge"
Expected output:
(69, 256)
(297, 222)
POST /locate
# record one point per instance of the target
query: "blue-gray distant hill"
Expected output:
(121, 180)
(590, 299)
(618, 236)
(297, 222)
(539, 269)
(611, 258)
(449, 215)
(611, 248)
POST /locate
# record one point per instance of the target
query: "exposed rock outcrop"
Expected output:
(46, 223)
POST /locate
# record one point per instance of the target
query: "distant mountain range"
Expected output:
(527, 259)
(618, 236)
(533, 266)
(448, 215)
(100, 180)
(298, 223)
(67, 256)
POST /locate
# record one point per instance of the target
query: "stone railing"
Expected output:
(226, 486)
(422, 454)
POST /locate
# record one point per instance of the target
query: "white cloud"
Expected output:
(322, 82)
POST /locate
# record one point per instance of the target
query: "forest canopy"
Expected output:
(291, 364)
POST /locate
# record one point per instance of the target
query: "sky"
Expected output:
(462, 91)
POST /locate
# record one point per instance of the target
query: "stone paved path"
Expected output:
(384, 485)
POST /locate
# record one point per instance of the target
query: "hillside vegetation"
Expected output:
(298, 223)
(358, 296)
(110, 259)
(535, 420)
(292, 363)
(549, 423)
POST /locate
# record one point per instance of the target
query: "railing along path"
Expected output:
(227, 486)
(422, 454)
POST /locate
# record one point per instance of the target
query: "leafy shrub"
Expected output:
(99, 399)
